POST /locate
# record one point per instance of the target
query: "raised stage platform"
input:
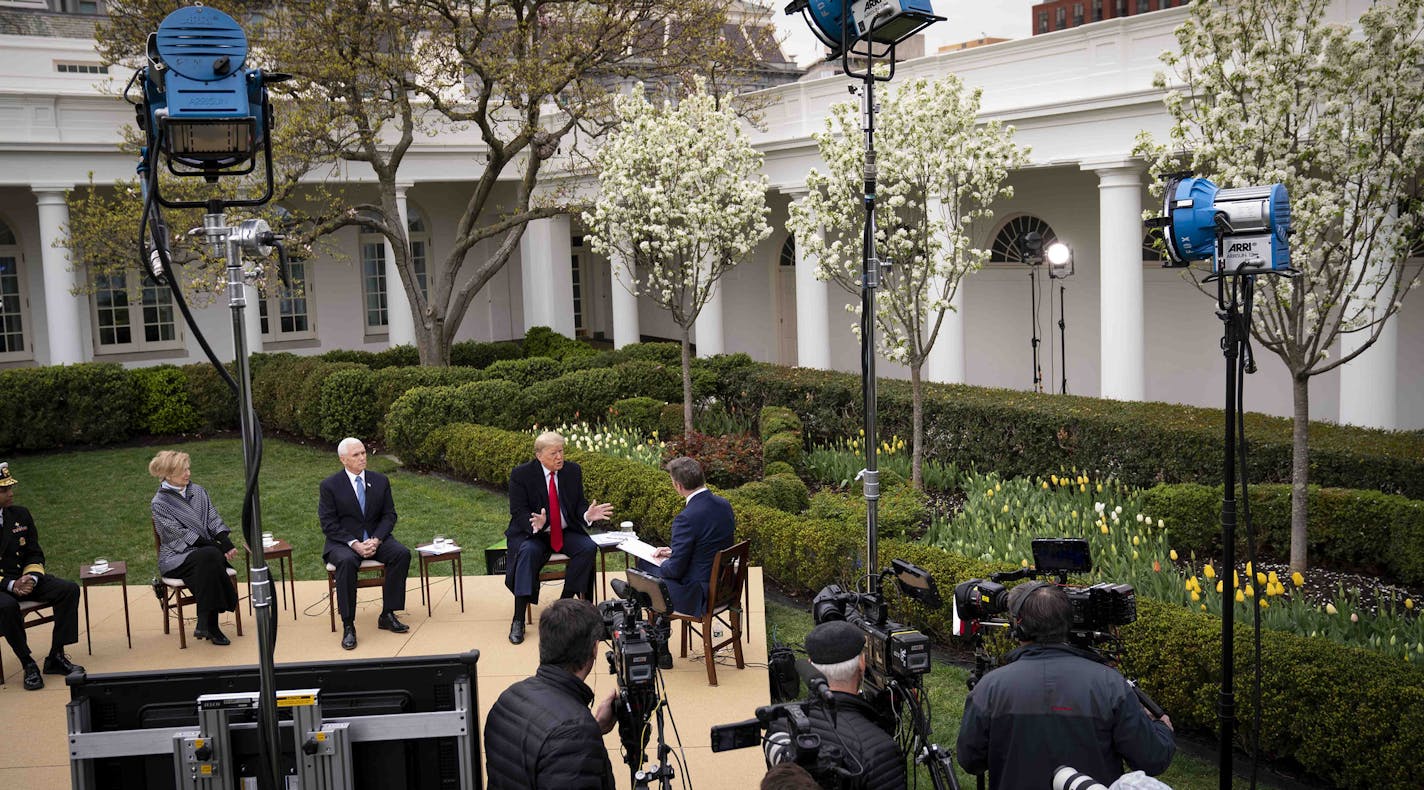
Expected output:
(42, 760)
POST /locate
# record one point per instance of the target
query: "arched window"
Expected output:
(12, 299)
(1008, 242)
(788, 252)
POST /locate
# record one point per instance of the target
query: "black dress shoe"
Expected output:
(348, 638)
(516, 631)
(388, 622)
(33, 681)
(59, 664)
(664, 659)
(218, 637)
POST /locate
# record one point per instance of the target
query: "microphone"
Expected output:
(814, 680)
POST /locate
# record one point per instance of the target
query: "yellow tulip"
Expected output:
(1264, 604)
(1134, 554)
(1203, 607)
(1408, 603)
(1218, 587)
(1082, 489)
(1239, 597)
(1023, 563)
(1054, 478)
(1136, 541)
(1196, 596)
(1260, 577)
(1190, 583)
(1297, 579)
(1100, 488)
(1248, 569)
(1235, 580)
(998, 486)
(1045, 485)
(1209, 571)
(1330, 609)
(1274, 578)
(1006, 508)
(1173, 555)
(1103, 527)
(1250, 591)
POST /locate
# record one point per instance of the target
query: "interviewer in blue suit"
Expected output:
(703, 528)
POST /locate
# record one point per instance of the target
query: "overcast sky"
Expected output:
(964, 20)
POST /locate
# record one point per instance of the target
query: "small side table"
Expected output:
(281, 551)
(118, 572)
(457, 567)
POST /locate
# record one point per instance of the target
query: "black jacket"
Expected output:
(541, 734)
(1053, 706)
(340, 514)
(868, 747)
(19, 545)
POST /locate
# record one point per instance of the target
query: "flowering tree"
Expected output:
(527, 79)
(1272, 92)
(683, 201)
(940, 172)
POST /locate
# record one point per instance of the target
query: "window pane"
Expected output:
(111, 300)
(12, 328)
(417, 259)
(373, 270)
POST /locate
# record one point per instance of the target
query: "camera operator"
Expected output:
(540, 733)
(1053, 704)
(837, 649)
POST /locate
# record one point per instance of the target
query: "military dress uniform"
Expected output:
(21, 556)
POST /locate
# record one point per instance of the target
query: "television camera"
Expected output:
(897, 656)
(1098, 611)
(633, 660)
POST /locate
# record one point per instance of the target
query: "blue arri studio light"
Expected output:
(208, 111)
(883, 22)
(1252, 224)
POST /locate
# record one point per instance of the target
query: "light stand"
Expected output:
(1060, 267)
(841, 26)
(1031, 254)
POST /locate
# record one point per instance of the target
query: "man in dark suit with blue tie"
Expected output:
(358, 515)
(548, 513)
(703, 528)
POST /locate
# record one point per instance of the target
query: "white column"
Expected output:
(1122, 347)
(625, 303)
(945, 362)
(400, 321)
(545, 263)
(709, 334)
(1369, 383)
(813, 317)
(61, 307)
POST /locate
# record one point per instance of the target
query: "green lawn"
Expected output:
(96, 503)
(946, 685)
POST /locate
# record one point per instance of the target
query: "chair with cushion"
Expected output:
(724, 605)
(372, 573)
(174, 594)
(31, 615)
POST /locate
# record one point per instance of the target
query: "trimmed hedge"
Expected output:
(525, 372)
(1025, 433)
(1350, 716)
(1347, 528)
(62, 405)
(397, 356)
(471, 354)
(640, 414)
(541, 341)
(163, 400)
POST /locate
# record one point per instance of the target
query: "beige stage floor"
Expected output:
(40, 759)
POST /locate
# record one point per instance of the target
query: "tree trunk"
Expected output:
(917, 439)
(1300, 471)
(686, 383)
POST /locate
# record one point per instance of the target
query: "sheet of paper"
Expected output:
(444, 548)
(611, 538)
(641, 550)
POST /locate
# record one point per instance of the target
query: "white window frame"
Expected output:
(278, 305)
(137, 343)
(418, 232)
(376, 241)
(27, 334)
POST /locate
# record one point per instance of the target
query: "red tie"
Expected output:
(556, 523)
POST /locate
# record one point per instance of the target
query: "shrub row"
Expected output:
(1348, 529)
(102, 403)
(1024, 433)
(1350, 716)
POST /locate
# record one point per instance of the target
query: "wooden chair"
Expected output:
(724, 599)
(553, 570)
(377, 579)
(31, 615)
(176, 596)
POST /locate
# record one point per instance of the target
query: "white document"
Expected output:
(444, 548)
(612, 538)
(641, 550)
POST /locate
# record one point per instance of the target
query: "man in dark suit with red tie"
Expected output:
(358, 515)
(548, 513)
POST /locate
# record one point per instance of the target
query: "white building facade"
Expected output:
(1078, 98)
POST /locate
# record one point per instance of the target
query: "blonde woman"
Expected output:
(194, 543)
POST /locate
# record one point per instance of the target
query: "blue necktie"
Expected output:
(361, 499)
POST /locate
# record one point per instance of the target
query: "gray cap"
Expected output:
(833, 642)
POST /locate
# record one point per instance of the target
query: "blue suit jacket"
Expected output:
(702, 529)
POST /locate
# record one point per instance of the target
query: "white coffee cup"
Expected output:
(99, 565)
(626, 526)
